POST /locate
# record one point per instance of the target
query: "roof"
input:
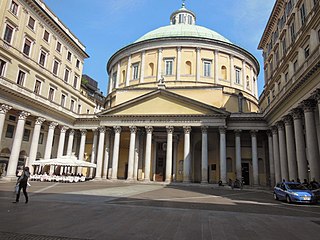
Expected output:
(183, 30)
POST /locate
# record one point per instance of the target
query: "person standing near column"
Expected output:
(22, 183)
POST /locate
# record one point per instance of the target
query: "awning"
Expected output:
(71, 161)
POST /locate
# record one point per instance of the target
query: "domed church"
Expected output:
(182, 106)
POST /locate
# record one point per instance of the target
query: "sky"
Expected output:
(105, 26)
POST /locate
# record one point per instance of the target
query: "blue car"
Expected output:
(293, 192)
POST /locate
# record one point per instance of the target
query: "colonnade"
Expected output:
(293, 145)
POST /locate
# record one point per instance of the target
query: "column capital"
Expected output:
(237, 132)
(117, 129)
(179, 48)
(253, 133)
(170, 129)
(280, 125)
(222, 129)
(308, 105)
(102, 129)
(204, 129)
(71, 132)
(187, 129)
(23, 115)
(83, 132)
(53, 125)
(133, 129)
(149, 129)
(160, 50)
(274, 130)
(287, 120)
(269, 133)
(95, 131)
(296, 113)
(316, 95)
(4, 108)
(40, 120)
(63, 129)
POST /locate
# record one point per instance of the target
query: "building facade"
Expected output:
(182, 102)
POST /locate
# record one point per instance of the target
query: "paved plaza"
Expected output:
(121, 210)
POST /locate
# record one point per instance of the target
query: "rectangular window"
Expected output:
(78, 63)
(10, 131)
(69, 55)
(181, 18)
(114, 80)
(284, 46)
(58, 47)
(207, 68)
(12, 118)
(14, 8)
(51, 94)
(26, 135)
(292, 32)
(238, 75)
(41, 137)
(46, 35)
(37, 87)
(189, 19)
(2, 67)
(42, 59)
(66, 75)
(72, 105)
(55, 67)
(75, 82)
(286, 76)
(79, 109)
(27, 46)
(169, 67)
(306, 51)
(302, 14)
(31, 23)
(8, 34)
(295, 65)
(21, 76)
(63, 100)
(135, 71)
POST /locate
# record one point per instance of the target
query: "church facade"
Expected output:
(182, 106)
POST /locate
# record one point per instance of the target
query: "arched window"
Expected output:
(248, 82)
(224, 73)
(229, 164)
(151, 69)
(188, 68)
(240, 102)
(123, 78)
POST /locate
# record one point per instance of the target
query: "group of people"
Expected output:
(311, 185)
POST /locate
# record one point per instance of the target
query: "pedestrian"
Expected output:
(22, 183)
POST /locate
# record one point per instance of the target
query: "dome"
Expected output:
(183, 30)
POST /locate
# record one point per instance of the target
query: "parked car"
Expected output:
(293, 192)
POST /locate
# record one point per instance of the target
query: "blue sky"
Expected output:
(105, 26)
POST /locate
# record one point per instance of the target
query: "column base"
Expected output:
(204, 182)
(9, 178)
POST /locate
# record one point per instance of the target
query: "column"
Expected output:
(143, 62)
(62, 139)
(94, 151)
(175, 158)
(118, 75)
(3, 111)
(128, 71)
(133, 130)
(136, 156)
(300, 144)
(311, 139)
(283, 151)
(147, 164)
(223, 155)
(116, 149)
(47, 152)
(187, 157)
(255, 169)
(204, 154)
(111, 81)
(178, 63)
(216, 66)
(238, 154)
(70, 142)
(102, 131)
(243, 82)
(159, 64)
(291, 150)
(141, 154)
(34, 143)
(169, 154)
(276, 155)
(271, 160)
(231, 70)
(106, 155)
(198, 64)
(16, 145)
(82, 147)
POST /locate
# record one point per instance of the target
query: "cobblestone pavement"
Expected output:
(122, 210)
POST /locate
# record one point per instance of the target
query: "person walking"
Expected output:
(23, 184)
